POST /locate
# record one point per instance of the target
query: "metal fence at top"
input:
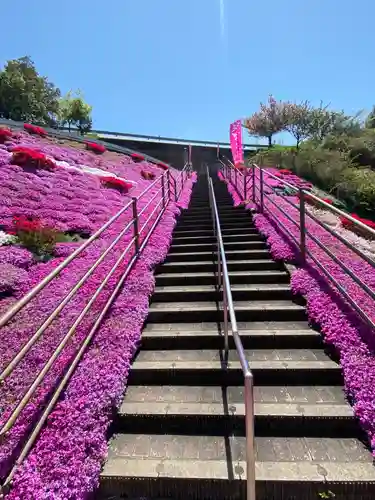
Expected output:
(251, 186)
(140, 225)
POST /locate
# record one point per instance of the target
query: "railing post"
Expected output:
(135, 224)
(302, 224)
(169, 185)
(175, 188)
(261, 189)
(235, 177)
(244, 185)
(249, 425)
(163, 189)
(225, 314)
(254, 191)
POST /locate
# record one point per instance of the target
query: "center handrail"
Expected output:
(228, 309)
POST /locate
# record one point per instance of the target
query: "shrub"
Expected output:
(36, 237)
(148, 175)
(23, 157)
(34, 129)
(95, 148)
(116, 183)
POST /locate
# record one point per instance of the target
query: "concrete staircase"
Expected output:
(180, 432)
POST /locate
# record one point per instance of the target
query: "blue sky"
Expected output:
(187, 68)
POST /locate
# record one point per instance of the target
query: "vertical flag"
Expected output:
(236, 141)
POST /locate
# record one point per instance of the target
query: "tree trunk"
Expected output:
(270, 141)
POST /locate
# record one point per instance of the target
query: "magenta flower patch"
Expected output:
(340, 326)
(66, 461)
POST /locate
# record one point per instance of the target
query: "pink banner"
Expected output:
(236, 142)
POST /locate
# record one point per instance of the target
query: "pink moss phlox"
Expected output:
(340, 325)
(66, 461)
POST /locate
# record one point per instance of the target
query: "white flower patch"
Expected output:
(90, 170)
(7, 239)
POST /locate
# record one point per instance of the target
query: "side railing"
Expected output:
(223, 284)
(251, 185)
(140, 224)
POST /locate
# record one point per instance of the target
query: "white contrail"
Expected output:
(222, 21)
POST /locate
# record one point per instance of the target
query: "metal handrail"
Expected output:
(166, 197)
(304, 232)
(228, 309)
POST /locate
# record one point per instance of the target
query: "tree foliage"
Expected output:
(74, 111)
(25, 95)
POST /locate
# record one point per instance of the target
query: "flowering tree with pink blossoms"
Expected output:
(268, 121)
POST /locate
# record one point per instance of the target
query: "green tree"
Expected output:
(74, 111)
(25, 95)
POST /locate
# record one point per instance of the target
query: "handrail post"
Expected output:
(244, 185)
(163, 189)
(261, 190)
(175, 188)
(302, 224)
(235, 178)
(225, 314)
(253, 174)
(250, 448)
(169, 185)
(135, 224)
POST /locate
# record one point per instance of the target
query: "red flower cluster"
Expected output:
(285, 172)
(149, 176)
(5, 134)
(329, 201)
(25, 224)
(162, 165)
(137, 157)
(96, 148)
(26, 156)
(33, 129)
(348, 224)
(116, 183)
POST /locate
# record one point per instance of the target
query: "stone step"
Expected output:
(210, 265)
(230, 255)
(208, 232)
(209, 278)
(225, 216)
(224, 223)
(254, 335)
(192, 367)
(210, 467)
(208, 247)
(246, 310)
(180, 240)
(320, 411)
(200, 293)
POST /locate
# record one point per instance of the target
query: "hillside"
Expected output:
(58, 189)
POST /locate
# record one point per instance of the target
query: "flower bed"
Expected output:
(340, 327)
(5, 135)
(348, 224)
(95, 148)
(67, 458)
(34, 129)
(116, 183)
